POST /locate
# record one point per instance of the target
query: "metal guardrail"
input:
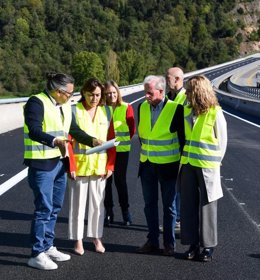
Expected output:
(246, 91)
(24, 99)
(241, 103)
(13, 100)
(12, 108)
(21, 99)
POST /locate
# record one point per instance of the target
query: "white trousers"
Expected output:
(91, 189)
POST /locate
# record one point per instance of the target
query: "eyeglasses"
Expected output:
(68, 94)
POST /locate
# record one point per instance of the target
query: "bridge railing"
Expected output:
(247, 91)
(123, 89)
(12, 108)
(241, 103)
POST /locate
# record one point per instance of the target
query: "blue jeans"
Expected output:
(49, 190)
(150, 177)
(178, 206)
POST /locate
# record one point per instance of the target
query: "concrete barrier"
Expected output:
(11, 110)
(243, 104)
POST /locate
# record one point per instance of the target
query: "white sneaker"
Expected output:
(56, 255)
(42, 261)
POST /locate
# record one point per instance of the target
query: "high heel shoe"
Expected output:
(193, 252)
(78, 248)
(206, 255)
(99, 248)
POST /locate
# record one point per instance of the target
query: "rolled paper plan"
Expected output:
(104, 146)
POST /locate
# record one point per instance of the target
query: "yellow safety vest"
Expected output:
(158, 144)
(121, 128)
(202, 147)
(53, 124)
(181, 97)
(93, 164)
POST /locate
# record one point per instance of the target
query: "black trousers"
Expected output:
(120, 182)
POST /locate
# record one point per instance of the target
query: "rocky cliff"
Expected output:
(247, 15)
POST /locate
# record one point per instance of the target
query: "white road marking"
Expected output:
(21, 175)
(137, 100)
(232, 115)
(243, 209)
(241, 204)
(13, 181)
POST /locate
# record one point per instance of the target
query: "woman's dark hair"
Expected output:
(89, 86)
(58, 81)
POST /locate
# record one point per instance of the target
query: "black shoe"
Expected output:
(127, 220)
(206, 255)
(193, 252)
(148, 248)
(109, 218)
(168, 250)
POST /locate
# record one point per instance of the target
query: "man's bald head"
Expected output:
(174, 78)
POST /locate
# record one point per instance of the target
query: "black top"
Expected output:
(172, 96)
(33, 115)
(169, 170)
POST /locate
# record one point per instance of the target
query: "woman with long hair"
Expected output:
(124, 125)
(205, 146)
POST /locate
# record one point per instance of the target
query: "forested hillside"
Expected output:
(120, 39)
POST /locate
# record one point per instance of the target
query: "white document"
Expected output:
(106, 145)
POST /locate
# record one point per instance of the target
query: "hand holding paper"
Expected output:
(104, 146)
(97, 142)
(62, 144)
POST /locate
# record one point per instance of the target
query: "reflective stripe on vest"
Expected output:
(93, 164)
(53, 125)
(201, 148)
(121, 128)
(158, 144)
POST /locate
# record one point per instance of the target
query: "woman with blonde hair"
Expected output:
(124, 125)
(205, 146)
(91, 171)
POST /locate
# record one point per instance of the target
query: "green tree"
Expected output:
(111, 67)
(22, 32)
(132, 66)
(120, 39)
(86, 65)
